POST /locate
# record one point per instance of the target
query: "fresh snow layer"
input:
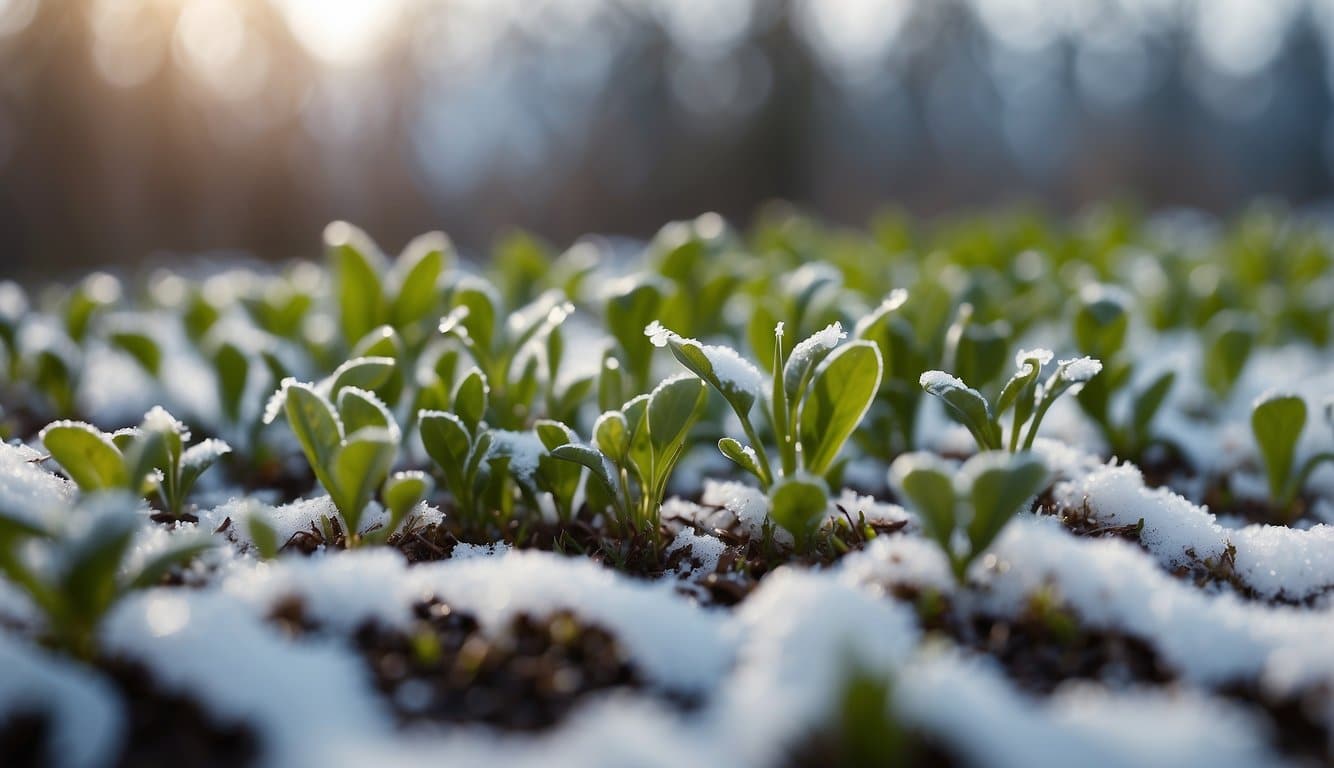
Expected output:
(85, 716)
(1274, 562)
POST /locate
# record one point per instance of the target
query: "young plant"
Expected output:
(495, 340)
(1229, 338)
(964, 510)
(635, 450)
(1100, 325)
(817, 396)
(1277, 421)
(459, 443)
(151, 457)
(1029, 398)
(370, 293)
(350, 447)
(75, 567)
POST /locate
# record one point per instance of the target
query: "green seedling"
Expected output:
(76, 565)
(1100, 325)
(1229, 338)
(150, 458)
(92, 296)
(1029, 398)
(1277, 421)
(351, 446)
(460, 443)
(631, 305)
(817, 396)
(635, 449)
(964, 510)
(370, 293)
(495, 342)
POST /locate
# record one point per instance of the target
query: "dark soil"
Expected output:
(23, 740)
(1298, 723)
(1041, 653)
(168, 729)
(162, 729)
(528, 677)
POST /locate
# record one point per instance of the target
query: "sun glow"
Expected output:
(342, 32)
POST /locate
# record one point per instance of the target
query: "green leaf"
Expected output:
(695, 358)
(141, 347)
(1147, 403)
(233, 369)
(742, 456)
(402, 492)
(1230, 336)
(359, 409)
(805, 357)
(1101, 322)
(314, 422)
(966, 405)
(841, 392)
(416, 277)
(999, 484)
(553, 434)
(611, 389)
(631, 307)
(92, 560)
(470, 399)
(357, 265)
(262, 533)
(445, 438)
(925, 481)
(611, 434)
(976, 352)
(480, 305)
(673, 407)
(367, 373)
(1277, 421)
(360, 466)
(447, 442)
(86, 454)
(798, 506)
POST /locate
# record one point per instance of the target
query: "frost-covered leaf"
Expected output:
(86, 454)
(966, 405)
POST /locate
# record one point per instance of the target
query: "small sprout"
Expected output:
(963, 511)
(497, 343)
(93, 295)
(351, 447)
(976, 352)
(637, 447)
(798, 505)
(139, 345)
(262, 533)
(178, 467)
(1229, 338)
(401, 494)
(75, 567)
(1029, 398)
(633, 304)
(818, 395)
(459, 443)
(371, 294)
(150, 457)
(1277, 421)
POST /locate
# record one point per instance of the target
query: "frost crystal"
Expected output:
(820, 340)
(1042, 355)
(277, 400)
(938, 380)
(729, 368)
(1080, 370)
